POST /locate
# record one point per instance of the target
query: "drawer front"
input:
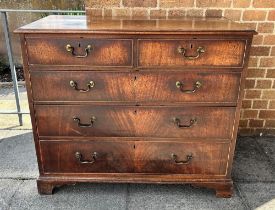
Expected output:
(181, 158)
(191, 53)
(81, 157)
(80, 51)
(127, 121)
(190, 158)
(160, 87)
(187, 87)
(81, 86)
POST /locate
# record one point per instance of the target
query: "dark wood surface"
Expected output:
(142, 82)
(132, 121)
(163, 53)
(108, 86)
(112, 157)
(216, 87)
(135, 157)
(157, 87)
(155, 157)
(87, 24)
(104, 52)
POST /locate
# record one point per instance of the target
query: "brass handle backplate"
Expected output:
(193, 121)
(182, 162)
(82, 125)
(182, 50)
(196, 86)
(70, 49)
(78, 157)
(90, 85)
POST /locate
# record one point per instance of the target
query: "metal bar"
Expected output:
(9, 84)
(12, 66)
(44, 11)
(14, 112)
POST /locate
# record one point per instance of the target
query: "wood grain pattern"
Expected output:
(105, 52)
(126, 121)
(108, 86)
(135, 25)
(135, 157)
(158, 87)
(155, 53)
(207, 158)
(112, 157)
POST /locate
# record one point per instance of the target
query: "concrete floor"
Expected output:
(253, 175)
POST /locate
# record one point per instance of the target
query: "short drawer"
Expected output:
(82, 86)
(79, 51)
(83, 157)
(127, 121)
(191, 53)
(181, 158)
(185, 87)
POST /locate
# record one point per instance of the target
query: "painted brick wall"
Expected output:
(258, 113)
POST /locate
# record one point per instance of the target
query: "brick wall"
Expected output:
(258, 113)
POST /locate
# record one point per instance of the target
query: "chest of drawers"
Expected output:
(134, 100)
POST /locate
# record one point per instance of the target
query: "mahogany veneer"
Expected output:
(135, 100)
(162, 53)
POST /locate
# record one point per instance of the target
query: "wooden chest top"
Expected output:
(133, 25)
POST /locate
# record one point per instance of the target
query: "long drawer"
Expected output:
(80, 51)
(190, 53)
(133, 121)
(159, 87)
(138, 157)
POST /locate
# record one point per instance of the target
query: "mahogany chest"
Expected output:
(135, 100)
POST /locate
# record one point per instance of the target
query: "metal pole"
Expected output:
(12, 66)
(14, 112)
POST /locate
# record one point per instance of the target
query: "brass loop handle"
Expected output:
(78, 156)
(90, 85)
(196, 86)
(193, 121)
(182, 162)
(82, 125)
(182, 50)
(70, 49)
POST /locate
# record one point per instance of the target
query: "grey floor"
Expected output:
(253, 174)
